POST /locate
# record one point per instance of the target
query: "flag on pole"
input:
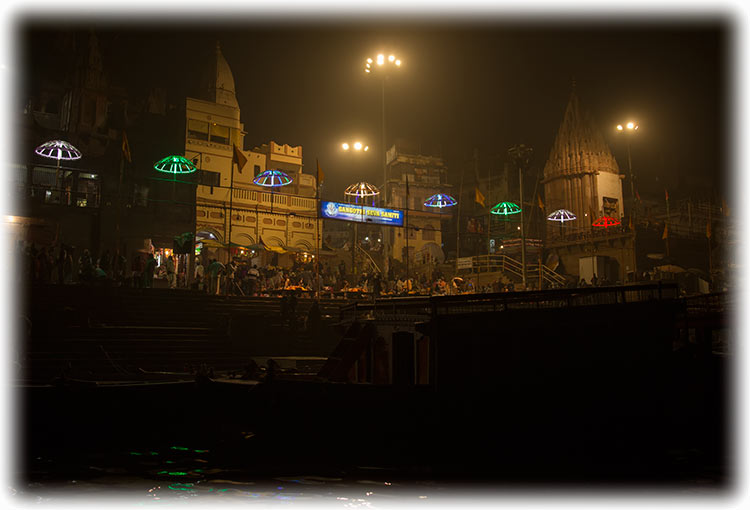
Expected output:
(126, 148)
(320, 175)
(630, 222)
(666, 232)
(666, 195)
(239, 158)
(478, 197)
(541, 204)
(708, 229)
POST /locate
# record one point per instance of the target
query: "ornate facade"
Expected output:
(285, 218)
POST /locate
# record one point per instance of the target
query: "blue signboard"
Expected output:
(362, 213)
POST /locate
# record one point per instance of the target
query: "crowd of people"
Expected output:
(241, 277)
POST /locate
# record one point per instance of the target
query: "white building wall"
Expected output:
(609, 185)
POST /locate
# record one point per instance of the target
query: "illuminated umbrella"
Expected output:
(175, 165)
(58, 149)
(561, 215)
(362, 190)
(440, 200)
(272, 179)
(505, 209)
(606, 222)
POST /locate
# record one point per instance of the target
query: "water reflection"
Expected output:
(182, 472)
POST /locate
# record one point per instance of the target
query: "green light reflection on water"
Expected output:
(200, 451)
(181, 486)
(179, 448)
(136, 453)
(170, 462)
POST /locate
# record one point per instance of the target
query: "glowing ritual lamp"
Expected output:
(272, 179)
(561, 215)
(362, 190)
(505, 209)
(175, 165)
(606, 222)
(440, 201)
(58, 149)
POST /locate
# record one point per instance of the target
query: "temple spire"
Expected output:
(221, 82)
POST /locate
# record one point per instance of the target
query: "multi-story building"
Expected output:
(426, 176)
(283, 219)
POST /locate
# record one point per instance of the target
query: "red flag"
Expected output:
(666, 194)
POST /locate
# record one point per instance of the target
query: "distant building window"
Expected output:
(202, 214)
(216, 215)
(267, 221)
(281, 223)
(256, 170)
(296, 224)
(197, 129)
(220, 134)
(249, 219)
(140, 195)
(207, 178)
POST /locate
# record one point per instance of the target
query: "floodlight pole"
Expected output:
(521, 154)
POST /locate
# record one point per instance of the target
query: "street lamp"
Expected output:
(355, 147)
(382, 65)
(629, 129)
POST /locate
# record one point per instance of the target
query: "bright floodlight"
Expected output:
(366, 147)
(381, 60)
(357, 146)
(345, 146)
(398, 62)
(619, 127)
(391, 58)
(631, 125)
(367, 70)
(369, 61)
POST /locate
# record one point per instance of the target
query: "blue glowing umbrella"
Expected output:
(272, 179)
(440, 200)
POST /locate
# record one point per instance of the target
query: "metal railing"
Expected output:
(506, 264)
(417, 308)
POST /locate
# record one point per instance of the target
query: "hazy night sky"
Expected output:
(485, 85)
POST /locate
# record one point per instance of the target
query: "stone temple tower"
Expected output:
(581, 174)
(221, 81)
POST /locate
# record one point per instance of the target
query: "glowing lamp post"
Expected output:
(360, 191)
(380, 66)
(58, 150)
